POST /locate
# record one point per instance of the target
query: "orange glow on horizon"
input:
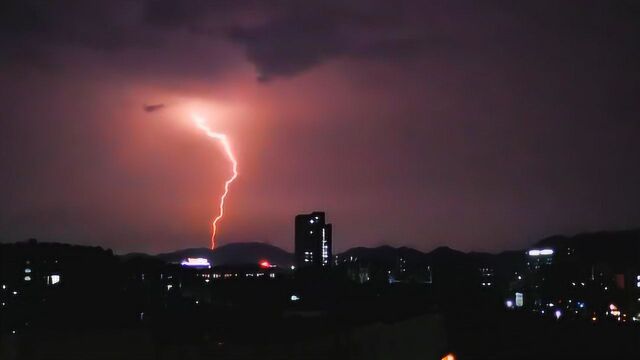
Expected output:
(202, 125)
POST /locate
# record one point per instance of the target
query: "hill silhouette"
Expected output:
(236, 253)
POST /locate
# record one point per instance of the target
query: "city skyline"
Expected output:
(482, 127)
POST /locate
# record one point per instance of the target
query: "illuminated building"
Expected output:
(486, 277)
(198, 263)
(312, 240)
(244, 272)
(538, 258)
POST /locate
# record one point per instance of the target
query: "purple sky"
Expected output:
(481, 125)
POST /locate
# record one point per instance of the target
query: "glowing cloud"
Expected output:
(202, 125)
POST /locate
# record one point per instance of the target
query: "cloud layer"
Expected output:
(479, 125)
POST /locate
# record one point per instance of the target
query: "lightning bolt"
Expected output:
(202, 125)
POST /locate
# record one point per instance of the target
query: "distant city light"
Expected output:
(27, 278)
(542, 252)
(509, 303)
(295, 298)
(196, 262)
(558, 314)
(293, 267)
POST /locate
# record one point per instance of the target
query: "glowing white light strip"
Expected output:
(200, 262)
(542, 252)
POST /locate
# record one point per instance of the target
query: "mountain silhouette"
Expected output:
(233, 254)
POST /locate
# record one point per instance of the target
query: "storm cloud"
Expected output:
(479, 125)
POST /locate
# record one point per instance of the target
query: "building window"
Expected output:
(325, 249)
(308, 256)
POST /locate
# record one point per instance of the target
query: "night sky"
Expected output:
(480, 125)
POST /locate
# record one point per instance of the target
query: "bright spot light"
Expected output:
(264, 264)
(295, 298)
(509, 303)
(448, 357)
(557, 314)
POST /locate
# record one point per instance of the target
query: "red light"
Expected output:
(264, 264)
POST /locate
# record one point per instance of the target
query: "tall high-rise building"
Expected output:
(313, 240)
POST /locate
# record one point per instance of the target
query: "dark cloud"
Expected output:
(476, 124)
(105, 25)
(286, 38)
(301, 36)
(153, 107)
(289, 46)
(298, 37)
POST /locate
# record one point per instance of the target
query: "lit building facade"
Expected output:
(312, 240)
